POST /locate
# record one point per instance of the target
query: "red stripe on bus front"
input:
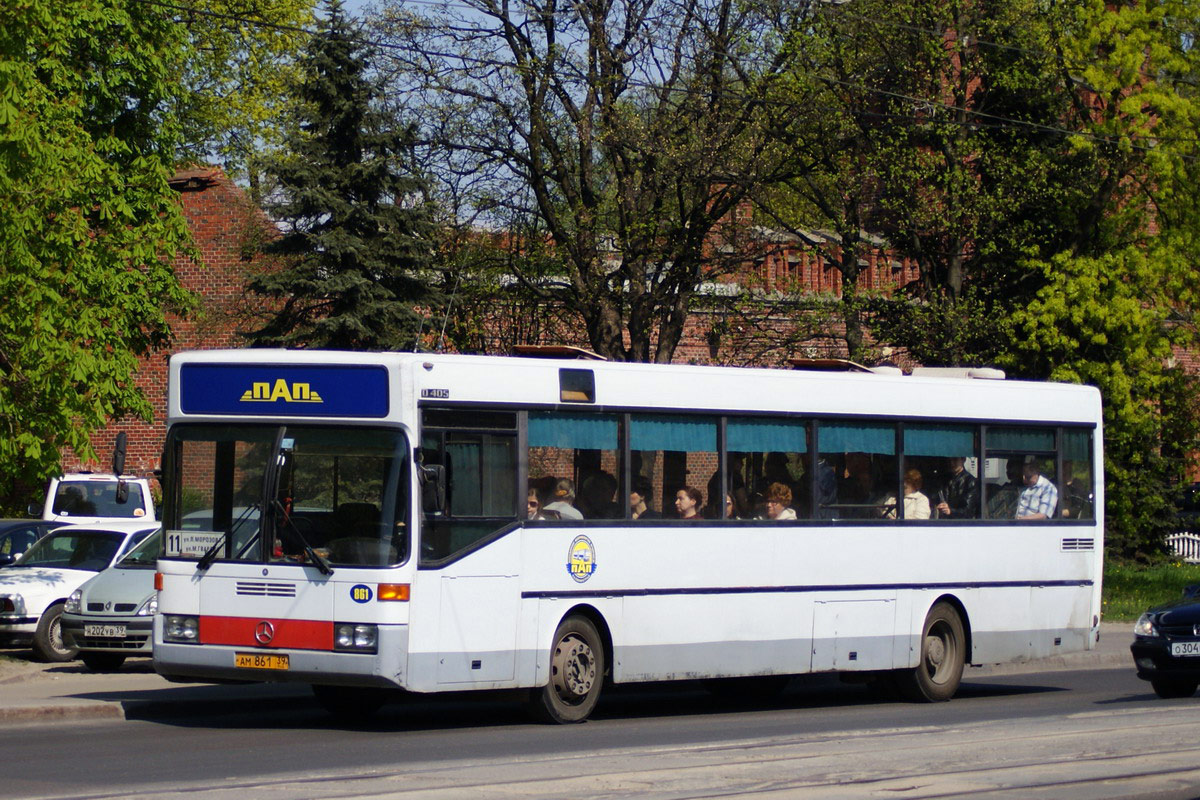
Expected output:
(297, 634)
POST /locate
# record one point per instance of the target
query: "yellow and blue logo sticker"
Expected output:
(581, 559)
(361, 593)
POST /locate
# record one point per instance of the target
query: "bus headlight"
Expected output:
(1145, 626)
(181, 629)
(355, 637)
(74, 602)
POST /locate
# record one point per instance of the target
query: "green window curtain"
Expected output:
(1021, 440)
(1077, 445)
(747, 435)
(674, 433)
(573, 431)
(857, 437)
(939, 440)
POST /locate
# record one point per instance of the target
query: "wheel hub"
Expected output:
(574, 668)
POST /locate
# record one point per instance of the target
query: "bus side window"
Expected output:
(574, 462)
(672, 454)
(481, 475)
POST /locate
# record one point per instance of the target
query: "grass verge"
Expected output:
(1131, 588)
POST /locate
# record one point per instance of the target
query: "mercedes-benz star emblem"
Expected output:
(264, 632)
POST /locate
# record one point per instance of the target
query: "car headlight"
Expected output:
(1145, 626)
(150, 607)
(181, 629)
(74, 603)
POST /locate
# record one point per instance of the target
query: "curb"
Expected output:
(62, 712)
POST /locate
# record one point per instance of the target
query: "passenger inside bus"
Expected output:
(687, 503)
(564, 500)
(1002, 501)
(959, 496)
(1039, 498)
(639, 499)
(597, 496)
(916, 504)
(779, 502)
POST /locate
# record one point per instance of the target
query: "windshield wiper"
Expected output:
(319, 562)
(210, 555)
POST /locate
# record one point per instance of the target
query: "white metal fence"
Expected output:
(1185, 546)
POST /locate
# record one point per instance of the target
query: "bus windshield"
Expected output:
(290, 494)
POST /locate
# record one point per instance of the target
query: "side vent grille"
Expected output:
(264, 589)
(1078, 544)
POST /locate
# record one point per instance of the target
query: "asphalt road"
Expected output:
(1097, 733)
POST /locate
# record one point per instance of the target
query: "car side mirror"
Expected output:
(118, 463)
(122, 492)
(34, 510)
(433, 488)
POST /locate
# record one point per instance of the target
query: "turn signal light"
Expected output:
(158, 581)
(392, 591)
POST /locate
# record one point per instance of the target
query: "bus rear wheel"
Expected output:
(943, 655)
(576, 674)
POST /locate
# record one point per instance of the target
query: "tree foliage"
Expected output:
(624, 134)
(351, 260)
(237, 64)
(88, 223)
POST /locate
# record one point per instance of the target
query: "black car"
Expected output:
(1166, 645)
(16, 535)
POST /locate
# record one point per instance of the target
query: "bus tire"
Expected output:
(48, 644)
(102, 662)
(349, 703)
(943, 655)
(576, 674)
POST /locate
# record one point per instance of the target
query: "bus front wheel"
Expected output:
(943, 654)
(576, 674)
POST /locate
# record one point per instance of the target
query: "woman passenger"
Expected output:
(916, 505)
(688, 501)
(779, 502)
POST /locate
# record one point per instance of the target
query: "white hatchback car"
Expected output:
(34, 590)
(111, 617)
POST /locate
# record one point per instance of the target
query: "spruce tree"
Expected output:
(351, 260)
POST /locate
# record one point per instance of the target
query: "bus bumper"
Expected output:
(215, 663)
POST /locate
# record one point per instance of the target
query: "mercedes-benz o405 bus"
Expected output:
(364, 522)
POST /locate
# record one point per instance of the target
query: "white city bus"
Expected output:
(444, 523)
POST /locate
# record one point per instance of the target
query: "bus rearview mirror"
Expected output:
(433, 488)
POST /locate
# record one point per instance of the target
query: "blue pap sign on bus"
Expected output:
(581, 559)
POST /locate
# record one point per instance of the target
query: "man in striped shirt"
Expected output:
(1039, 498)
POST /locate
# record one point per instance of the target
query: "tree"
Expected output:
(239, 59)
(351, 264)
(624, 134)
(89, 226)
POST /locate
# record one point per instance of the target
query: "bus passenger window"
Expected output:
(672, 454)
(1019, 464)
(766, 453)
(1078, 500)
(947, 456)
(857, 470)
(573, 464)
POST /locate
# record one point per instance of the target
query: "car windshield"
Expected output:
(326, 494)
(146, 553)
(74, 549)
(97, 498)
